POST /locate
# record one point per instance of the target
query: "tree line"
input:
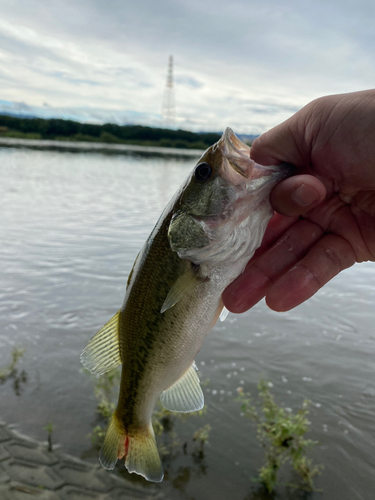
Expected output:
(69, 130)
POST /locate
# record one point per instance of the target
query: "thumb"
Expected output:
(287, 143)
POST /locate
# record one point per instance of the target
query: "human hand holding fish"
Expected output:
(205, 237)
(326, 215)
(200, 244)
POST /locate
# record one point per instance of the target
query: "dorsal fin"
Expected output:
(185, 395)
(102, 353)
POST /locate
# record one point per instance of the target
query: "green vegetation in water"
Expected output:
(281, 434)
(163, 421)
(49, 428)
(11, 371)
(104, 390)
(109, 133)
(201, 436)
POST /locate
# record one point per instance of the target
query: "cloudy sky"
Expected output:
(246, 64)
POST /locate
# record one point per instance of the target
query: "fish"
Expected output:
(202, 241)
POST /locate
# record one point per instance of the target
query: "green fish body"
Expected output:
(201, 243)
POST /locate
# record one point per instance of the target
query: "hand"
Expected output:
(326, 214)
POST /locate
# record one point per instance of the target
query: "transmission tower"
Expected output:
(168, 112)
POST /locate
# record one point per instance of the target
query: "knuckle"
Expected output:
(338, 253)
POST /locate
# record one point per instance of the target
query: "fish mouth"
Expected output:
(236, 156)
(238, 167)
(234, 144)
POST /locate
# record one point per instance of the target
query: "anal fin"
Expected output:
(185, 395)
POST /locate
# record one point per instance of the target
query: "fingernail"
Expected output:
(305, 195)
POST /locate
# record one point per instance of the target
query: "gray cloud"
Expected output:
(243, 63)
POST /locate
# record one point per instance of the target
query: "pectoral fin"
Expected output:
(185, 283)
(102, 353)
(185, 395)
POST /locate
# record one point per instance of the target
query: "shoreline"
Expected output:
(28, 469)
(97, 147)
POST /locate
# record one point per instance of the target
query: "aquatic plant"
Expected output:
(282, 435)
(164, 421)
(201, 436)
(105, 389)
(6, 373)
(49, 428)
(11, 372)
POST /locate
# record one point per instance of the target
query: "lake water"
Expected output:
(71, 224)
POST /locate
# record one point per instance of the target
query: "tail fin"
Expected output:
(139, 449)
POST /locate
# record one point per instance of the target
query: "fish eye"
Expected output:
(203, 172)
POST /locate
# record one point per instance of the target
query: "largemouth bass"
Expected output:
(201, 243)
